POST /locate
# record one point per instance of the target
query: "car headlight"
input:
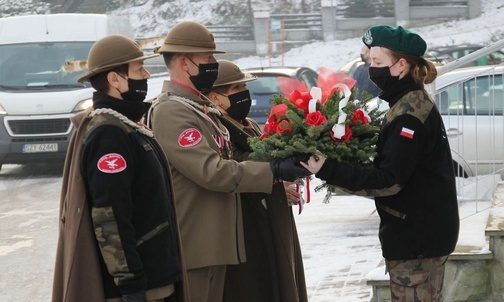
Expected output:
(2, 110)
(83, 105)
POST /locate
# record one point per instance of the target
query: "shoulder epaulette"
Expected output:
(416, 103)
(103, 119)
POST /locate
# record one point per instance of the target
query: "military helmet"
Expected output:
(229, 74)
(189, 37)
(110, 52)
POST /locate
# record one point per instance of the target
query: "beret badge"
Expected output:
(368, 38)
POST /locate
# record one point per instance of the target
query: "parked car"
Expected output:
(471, 103)
(266, 86)
(458, 51)
(350, 67)
(436, 57)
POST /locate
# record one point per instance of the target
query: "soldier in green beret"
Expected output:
(412, 180)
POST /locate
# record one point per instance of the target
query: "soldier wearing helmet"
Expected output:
(271, 239)
(198, 146)
(118, 237)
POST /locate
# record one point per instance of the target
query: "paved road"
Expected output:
(339, 240)
(28, 224)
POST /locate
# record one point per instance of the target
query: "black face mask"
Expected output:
(206, 77)
(240, 105)
(137, 90)
(382, 78)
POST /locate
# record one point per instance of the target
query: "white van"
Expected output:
(37, 96)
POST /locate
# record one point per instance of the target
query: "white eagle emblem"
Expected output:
(190, 138)
(368, 38)
(111, 163)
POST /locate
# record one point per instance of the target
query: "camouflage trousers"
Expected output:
(418, 280)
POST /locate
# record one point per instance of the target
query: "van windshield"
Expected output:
(40, 65)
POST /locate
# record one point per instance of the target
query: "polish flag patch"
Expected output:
(408, 133)
(190, 137)
(111, 163)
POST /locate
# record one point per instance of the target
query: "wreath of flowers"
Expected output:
(326, 120)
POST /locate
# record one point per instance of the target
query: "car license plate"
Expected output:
(35, 148)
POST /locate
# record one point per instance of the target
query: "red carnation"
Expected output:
(359, 115)
(315, 118)
(345, 138)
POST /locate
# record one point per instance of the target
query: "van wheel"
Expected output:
(459, 171)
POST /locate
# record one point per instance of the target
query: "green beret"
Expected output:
(395, 38)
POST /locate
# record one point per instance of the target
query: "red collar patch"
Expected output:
(111, 163)
(190, 137)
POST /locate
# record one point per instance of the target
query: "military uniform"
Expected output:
(133, 217)
(197, 145)
(413, 179)
(204, 180)
(118, 236)
(274, 268)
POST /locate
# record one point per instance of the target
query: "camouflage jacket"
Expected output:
(412, 180)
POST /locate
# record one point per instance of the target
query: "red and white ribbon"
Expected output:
(339, 128)
(316, 94)
(304, 196)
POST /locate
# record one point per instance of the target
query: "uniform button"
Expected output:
(63, 219)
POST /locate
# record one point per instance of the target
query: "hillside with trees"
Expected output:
(155, 17)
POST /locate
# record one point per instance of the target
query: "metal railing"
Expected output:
(371, 10)
(437, 2)
(232, 32)
(300, 21)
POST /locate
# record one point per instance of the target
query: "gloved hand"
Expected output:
(135, 297)
(289, 168)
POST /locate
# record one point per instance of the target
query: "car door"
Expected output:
(473, 115)
(309, 77)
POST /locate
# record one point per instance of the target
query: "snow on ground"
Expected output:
(340, 245)
(339, 240)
